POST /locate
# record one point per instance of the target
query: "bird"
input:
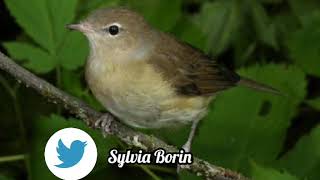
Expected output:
(147, 78)
(70, 156)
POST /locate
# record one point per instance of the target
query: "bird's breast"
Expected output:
(139, 96)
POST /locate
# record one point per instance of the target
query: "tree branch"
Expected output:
(126, 134)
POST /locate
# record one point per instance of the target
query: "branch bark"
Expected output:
(88, 115)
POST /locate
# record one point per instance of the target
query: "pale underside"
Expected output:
(139, 96)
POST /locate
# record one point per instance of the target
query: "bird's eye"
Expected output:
(114, 30)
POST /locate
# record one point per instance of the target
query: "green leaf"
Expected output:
(39, 60)
(285, 23)
(264, 28)
(66, 10)
(262, 173)
(162, 14)
(304, 45)
(88, 6)
(315, 103)
(189, 32)
(304, 8)
(71, 82)
(74, 51)
(50, 33)
(244, 47)
(246, 124)
(218, 20)
(32, 15)
(45, 21)
(304, 159)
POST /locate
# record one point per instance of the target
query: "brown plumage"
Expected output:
(147, 78)
(190, 71)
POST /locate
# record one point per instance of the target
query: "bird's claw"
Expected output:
(187, 148)
(104, 122)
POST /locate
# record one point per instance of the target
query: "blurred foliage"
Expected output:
(303, 160)
(272, 41)
(315, 103)
(260, 173)
(260, 134)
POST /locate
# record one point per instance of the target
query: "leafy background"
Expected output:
(260, 135)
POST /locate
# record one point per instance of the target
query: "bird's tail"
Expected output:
(258, 86)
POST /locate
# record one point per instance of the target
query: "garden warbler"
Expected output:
(148, 78)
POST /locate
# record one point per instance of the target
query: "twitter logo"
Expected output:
(70, 156)
(70, 153)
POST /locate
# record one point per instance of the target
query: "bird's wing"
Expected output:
(189, 70)
(63, 151)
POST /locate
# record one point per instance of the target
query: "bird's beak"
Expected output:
(82, 27)
(85, 143)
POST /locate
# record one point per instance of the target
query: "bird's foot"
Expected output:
(187, 148)
(104, 122)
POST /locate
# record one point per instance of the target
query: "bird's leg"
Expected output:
(187, 146)
(104, 122)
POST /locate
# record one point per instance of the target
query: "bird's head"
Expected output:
(78, 144)
(115, 30)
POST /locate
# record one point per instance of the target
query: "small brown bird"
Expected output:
(148, 78)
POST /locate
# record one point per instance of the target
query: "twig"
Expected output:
(124, 133)
(18, 157)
